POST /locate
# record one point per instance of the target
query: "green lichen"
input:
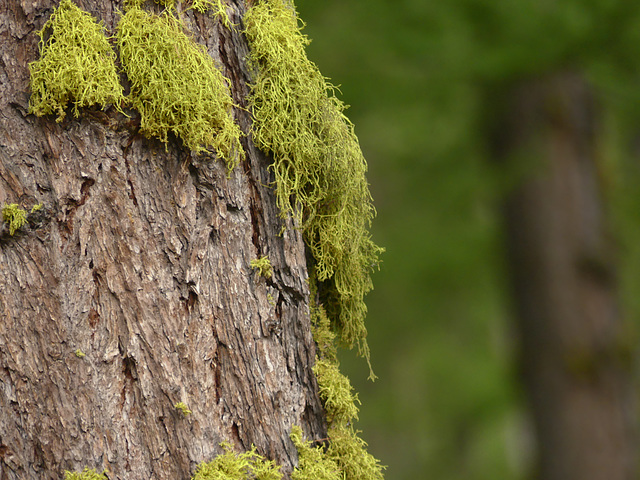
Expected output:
(318, 166)
(79, 353)
(76, 65)
(176, 86)
(313, 462)
(217, 7)
(36, 208)
(263, 264)
(14, 216)
(183, 408)
(86, 474)
(233, 466)
(336, 393)
(349, 452)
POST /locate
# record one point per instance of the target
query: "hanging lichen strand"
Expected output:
(176, 86)
(76, 65)
(317, 162)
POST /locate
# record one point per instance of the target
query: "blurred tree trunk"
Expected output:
(576, 367)
(132, 289)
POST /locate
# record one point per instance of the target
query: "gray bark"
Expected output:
(140, 259)
(575, 359)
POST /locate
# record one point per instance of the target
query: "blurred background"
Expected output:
(422, 77)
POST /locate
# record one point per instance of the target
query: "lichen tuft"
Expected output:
(176, 86)
(233, 466)
(86, 474)
(14, 216)
(317, 162)
(313, 463)
(76, 65)
(263, 265)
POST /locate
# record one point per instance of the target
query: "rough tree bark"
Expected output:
(140, 259)
(575, 362)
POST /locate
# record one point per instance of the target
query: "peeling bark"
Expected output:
(141, 261)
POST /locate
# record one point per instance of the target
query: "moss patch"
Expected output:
(14, 216)
(238, 466)
(175, 85)
(76, 65)
(317, 162)
(183, 408)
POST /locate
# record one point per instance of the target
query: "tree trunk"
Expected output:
(132, 290)
(575, 363)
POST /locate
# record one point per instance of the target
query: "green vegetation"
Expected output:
(183, 408)
(232, 466)
(317, 162)
(346, 449)
(76, 65)
(79, 353)
(14, 216)
(86, 474)
(218, 8)
(313, 463)
(263, 264)
(175, 85)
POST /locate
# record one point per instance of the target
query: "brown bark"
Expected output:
(141, 260)
(574, 359)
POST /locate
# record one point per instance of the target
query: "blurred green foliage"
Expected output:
(422, 77)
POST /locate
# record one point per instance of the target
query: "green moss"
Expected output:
(317, 162)
(14, 216)
(79, 353)
(313, 463)
(263, 264)
(86, 474)
(233, 466)
(183, 408)
(175, 85)
(76, 65)
(36, 208)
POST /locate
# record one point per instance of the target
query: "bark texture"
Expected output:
(575, 362)
(140, 259)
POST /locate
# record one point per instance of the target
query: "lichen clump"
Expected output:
(317, 162)
(346, 448)
(238, 466)
(176, 86)
(263, 265)
(313, 463)
(86, 474)
(76, 65)
(14, 216)
(182, 407)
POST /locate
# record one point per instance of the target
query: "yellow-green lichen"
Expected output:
(318, 166)
(14, 216)
(238, 466)
(183, 408)
(86, 474)
(79, 353)
(336, 393)
(36, 208)
(263, 265)
(217, 7)
(76, 65)
(176, 86)
(346, 449)
(313, 462)
(349, 452)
